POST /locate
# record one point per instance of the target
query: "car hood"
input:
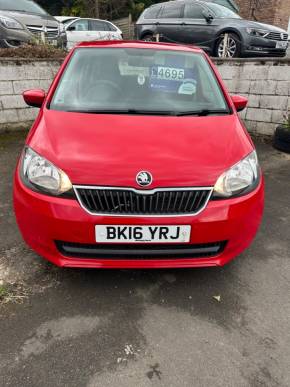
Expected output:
(111, 149)
(252, 24)
(33, 19)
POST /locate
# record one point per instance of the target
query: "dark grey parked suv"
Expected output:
(216, 29)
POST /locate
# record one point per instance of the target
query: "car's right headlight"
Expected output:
(11, 23)
(257, 32)
(240, 179)
(41, 175)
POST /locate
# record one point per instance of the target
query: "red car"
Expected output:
(138, 159)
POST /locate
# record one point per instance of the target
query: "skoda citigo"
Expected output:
(138, 159)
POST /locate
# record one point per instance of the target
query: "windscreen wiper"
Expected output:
(124, 111)
(19, 10)
(202, 112)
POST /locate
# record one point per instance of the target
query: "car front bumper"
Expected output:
(258, 46)
(15, 35)
(43, 220)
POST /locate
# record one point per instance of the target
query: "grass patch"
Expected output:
(12, 293)
(4, 292)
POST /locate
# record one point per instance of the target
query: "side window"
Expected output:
(98, 25)
(172, 11)
(110, 27)
(80, 25)
(152, 12)
(193, 11)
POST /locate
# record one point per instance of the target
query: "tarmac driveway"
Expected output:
(63, 327)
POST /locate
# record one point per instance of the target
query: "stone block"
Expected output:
(278, 116)
(21, 86)
(12, 101)
(28, 114)
(263, 87)
(279, 73)
(265, 129)
(6, 88)
(259, 115)
(9, 115)
(275, 102)
(254, 101)
(283, 88)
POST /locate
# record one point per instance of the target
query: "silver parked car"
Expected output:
(20, 20)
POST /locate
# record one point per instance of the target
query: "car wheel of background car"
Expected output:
(282, 139)
(228, 46)
(148, 38)
(10, 43)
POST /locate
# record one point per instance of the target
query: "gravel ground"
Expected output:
(63, 327)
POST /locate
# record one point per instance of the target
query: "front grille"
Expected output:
(140, 251)
(276, 36)
(120, 201)
(50, 33)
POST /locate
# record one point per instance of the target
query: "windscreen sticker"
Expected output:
(127, 70)
(173, 79)
(188, 87)
(141, 79)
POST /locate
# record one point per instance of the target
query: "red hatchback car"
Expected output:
(138, 159)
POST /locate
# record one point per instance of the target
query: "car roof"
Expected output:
(65, 18)
(140, 44)
(179, 1)
(93, 18)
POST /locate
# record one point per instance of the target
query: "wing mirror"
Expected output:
(208, 16)
(71, 28)
(34, 98)
(240, 102)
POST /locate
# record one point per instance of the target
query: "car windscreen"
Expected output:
(223, 12)
(27, 6)
(144, 80)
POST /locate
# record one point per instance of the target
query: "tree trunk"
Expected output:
(97, 9)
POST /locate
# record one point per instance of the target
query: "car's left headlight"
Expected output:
(257, 32)
(240, 179)
(41, 175)
(10, 23)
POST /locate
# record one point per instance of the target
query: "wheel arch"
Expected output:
(146, 32)
(228, 30)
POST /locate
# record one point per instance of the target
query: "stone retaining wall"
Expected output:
(265, 82)
(267, 86)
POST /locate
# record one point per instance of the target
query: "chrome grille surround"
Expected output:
(49, 32)
(276, 36)
(92, 198)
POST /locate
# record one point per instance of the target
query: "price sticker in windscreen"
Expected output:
(168, 73)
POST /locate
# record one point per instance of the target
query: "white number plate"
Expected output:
(145, 234)
(282, 45)
(170, 73)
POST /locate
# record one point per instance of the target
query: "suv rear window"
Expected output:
(152, 12)
(172, 11)
(129, 79)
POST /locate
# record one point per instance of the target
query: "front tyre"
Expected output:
(228, 46)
